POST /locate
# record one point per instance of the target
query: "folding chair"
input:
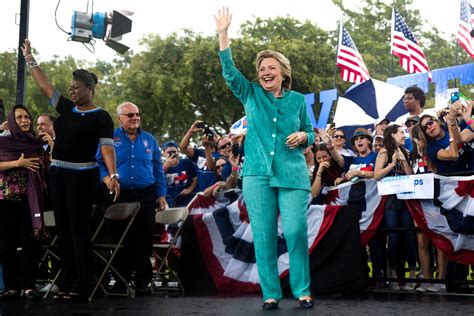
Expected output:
(50, 253)
(115, 212)
(168, 216)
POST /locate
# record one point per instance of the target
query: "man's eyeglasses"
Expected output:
(219, 166)
(131, 115)
(225, 145)
(171, 152)
(428, 124)
(339, 136)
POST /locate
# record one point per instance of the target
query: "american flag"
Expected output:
(349, 60)
(466, 22)
(404, 45)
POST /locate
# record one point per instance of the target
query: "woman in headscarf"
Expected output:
(22, 165)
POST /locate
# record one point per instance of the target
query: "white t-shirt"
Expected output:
(346, 152)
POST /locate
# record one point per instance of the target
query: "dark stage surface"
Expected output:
(366, 303)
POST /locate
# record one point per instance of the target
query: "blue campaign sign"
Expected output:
(440, 78)
(326, 98)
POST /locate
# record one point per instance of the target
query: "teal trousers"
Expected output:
(264, 203)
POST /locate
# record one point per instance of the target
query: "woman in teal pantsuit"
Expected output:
(275, 175)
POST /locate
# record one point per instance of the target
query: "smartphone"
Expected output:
(454, 97)
(235, 150)
(202, 125)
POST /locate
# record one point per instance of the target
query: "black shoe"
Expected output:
(306, 303)
(268, 306)
(143, 292)
(30, 295)
(118, 289)
(10, 296)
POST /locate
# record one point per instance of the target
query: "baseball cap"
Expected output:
(380, 120)
(414, 118)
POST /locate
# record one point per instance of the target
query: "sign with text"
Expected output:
(394, 185)
(424, 187)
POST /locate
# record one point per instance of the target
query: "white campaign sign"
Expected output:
(394, 185)
(424, 187)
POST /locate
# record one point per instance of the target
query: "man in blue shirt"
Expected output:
(142, 180)
(181, 176)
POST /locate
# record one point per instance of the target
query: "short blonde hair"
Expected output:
(285, 66)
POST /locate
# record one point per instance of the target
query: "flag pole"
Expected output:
(456, 62)
(391, 31)
(337, 50)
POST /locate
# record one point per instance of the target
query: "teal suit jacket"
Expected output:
(270, 121)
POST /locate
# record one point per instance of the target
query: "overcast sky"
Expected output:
(164, 17)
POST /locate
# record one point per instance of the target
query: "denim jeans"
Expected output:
(1, 279)
(378, 254)
(401, 244)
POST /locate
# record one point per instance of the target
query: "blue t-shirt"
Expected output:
(180, 177)
(446, 166)
(368, 162)
(206, 177)
(409, 144)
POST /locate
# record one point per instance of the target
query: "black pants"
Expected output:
(72, 195)
(16, 231)
(139, 241)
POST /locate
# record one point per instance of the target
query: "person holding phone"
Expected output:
(445, 143)
(203, 158)
(275, 178)
(80, 129)
(181, 176)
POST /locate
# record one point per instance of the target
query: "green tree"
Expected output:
(370, 24)
(177, 79)
(8, 79)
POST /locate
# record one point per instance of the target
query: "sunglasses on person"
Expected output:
(428, 124)
(171, 152)
(339, 136)
(225, 145)
(410, 124)
(131, 115)
(219, 166)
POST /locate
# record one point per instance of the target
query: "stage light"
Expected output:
(106, 26)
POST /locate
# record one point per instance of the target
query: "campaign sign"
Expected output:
(424, 187)
(394, 185)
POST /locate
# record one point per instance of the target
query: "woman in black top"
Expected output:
(74, 173)
(392, 160)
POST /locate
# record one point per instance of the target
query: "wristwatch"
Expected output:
(451, 140)
(114, 176)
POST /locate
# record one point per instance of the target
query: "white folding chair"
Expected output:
(170, 216)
